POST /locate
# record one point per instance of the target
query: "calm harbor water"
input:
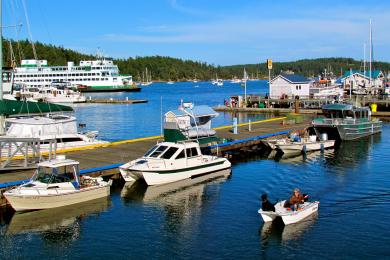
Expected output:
(216, 217)
(117, 122)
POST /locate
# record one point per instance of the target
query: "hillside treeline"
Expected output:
(168, 68)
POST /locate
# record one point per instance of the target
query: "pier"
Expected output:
(116, 101)
(104, 160)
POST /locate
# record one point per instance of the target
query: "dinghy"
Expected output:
(289, 216)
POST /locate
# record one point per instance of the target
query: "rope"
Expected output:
(28, 29)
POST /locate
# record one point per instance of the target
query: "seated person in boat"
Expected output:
(296, 199)
(265, 204)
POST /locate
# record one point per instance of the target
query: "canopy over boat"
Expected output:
(14, 107)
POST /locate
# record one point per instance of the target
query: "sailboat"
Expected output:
(217, 81)
(146, 78)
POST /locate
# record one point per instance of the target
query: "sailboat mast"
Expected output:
(370, 52)
(364, 59)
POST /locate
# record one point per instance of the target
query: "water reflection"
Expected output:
(277, 231)
(351, 153)
(57, 225)
(181, 201)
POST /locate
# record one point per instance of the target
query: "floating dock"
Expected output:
(116, 101)
(103, 160)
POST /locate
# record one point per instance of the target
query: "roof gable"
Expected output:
(293, 78)
(375, 73)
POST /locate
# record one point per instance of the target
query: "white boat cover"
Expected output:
(41, 127)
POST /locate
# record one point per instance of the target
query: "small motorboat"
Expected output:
(57, 183)
(290, 216)
(304, 145)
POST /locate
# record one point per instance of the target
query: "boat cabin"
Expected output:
(346, 111)
(58, 171)
(190, 123)
(173, 151)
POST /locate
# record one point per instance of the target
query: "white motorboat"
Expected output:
(56, 183)
(170, 162)
(303, 145)
(60, 92)
(290, 216)
(61, 128)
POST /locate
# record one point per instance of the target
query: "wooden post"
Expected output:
(296, 106)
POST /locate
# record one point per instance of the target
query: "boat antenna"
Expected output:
(29, 31)
(364, 59)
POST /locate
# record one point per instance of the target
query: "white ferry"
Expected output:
(90, 76)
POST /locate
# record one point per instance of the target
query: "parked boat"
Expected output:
(346, 122)
(60, 94)
(56, 183)
(190, 122)
(170, 162)
(146, 78)
(303, 145)
(289, 216)
(217, 81)
(60, 128)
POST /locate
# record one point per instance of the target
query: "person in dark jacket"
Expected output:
(265, 204)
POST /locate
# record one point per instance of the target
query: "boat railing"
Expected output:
(335, 121)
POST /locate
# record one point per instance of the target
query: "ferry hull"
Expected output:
(22, 202)
(168, 176)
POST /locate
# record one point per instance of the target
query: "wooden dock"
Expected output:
(116, 101)
(104, 160)
(282, 111)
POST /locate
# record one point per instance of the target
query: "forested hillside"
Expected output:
(167, 68)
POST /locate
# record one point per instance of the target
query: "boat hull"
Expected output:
(305, 147)
(350, 131)
(288, 216)
(23, 202)
(173, 175)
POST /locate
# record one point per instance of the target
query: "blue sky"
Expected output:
(215, 31)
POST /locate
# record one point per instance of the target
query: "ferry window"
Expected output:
(181, 155)
(158, 151)
(169, 153)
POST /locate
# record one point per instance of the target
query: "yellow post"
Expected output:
(374, 107)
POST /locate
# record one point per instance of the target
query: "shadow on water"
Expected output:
(58, 225)
(277, 231)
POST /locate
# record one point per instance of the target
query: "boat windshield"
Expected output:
(55, 175)
(158, 151)
(150, 151)
(169, 153)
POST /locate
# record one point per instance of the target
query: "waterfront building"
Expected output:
(289, 85)
(360, 79)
